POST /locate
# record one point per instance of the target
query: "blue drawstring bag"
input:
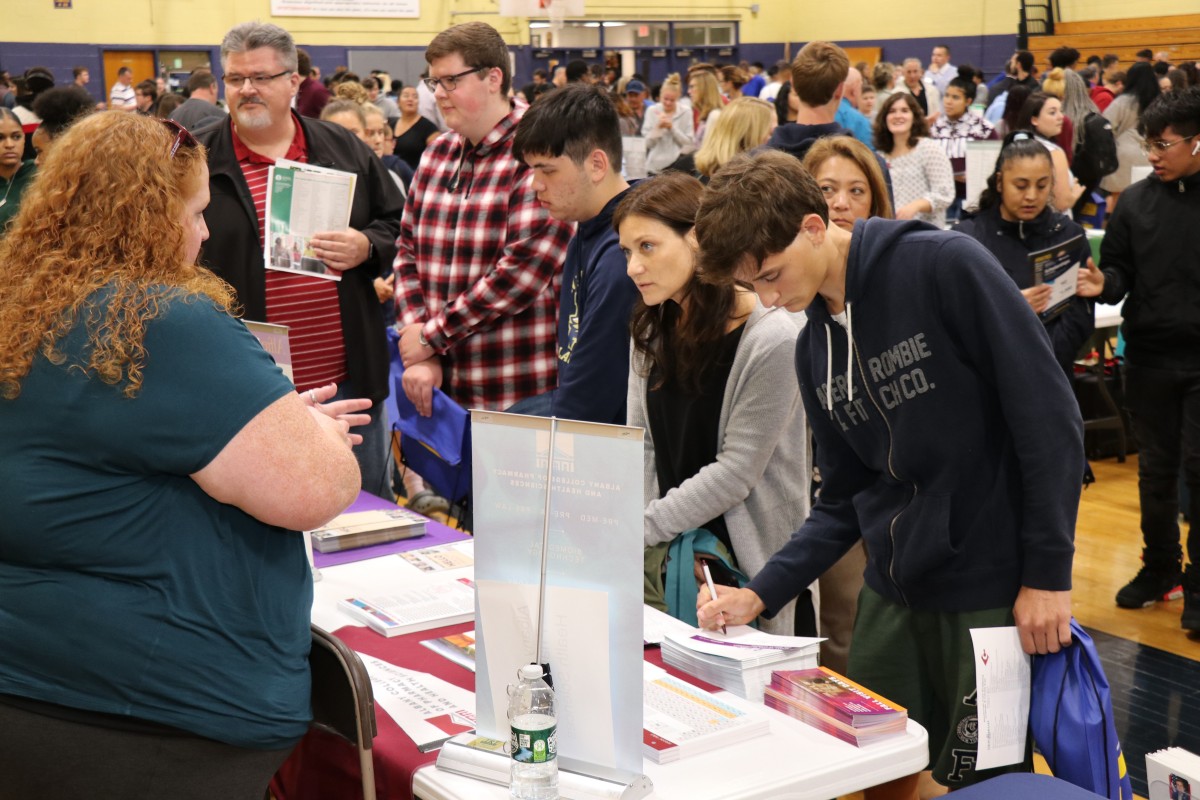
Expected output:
(438, 447)
(1071, 718)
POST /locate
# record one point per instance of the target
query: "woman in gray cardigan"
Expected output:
(712, 382)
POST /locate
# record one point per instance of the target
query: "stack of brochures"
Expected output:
(739, 661)
(835, 704)
(681, 720)
(1173, 774)
(365, 528)
(416, 608)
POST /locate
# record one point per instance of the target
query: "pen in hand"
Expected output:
(712, 590)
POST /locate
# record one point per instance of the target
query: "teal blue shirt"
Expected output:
(124, 588)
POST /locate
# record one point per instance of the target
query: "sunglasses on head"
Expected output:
(182, 136)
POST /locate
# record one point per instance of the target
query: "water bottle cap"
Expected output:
(531, 672)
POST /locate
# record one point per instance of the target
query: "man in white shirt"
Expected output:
(940, 71)
(779, 72)
(122, 97)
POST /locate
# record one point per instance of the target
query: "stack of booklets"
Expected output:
(739, 661)
(835, 704)
(1173, 774)
(366, 528)
(415, 608)
(681, 720)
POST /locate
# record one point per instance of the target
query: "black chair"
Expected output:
(342, 701)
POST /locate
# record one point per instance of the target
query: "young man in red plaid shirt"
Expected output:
(480, 259)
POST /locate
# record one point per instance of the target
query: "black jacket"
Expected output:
(1012, 242)
(1151, 252)
(234, 252)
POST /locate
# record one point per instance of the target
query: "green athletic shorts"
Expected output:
(924, 661)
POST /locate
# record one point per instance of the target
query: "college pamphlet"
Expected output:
(274, 339)
(427, 708)
(1172, 774)
(417, 608)
(681, 720)
(739, 661)
(835, 704)
(366, 528)
(458, 647)
(302, 200)
(1057, 266)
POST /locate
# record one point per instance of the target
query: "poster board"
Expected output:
(594, 585)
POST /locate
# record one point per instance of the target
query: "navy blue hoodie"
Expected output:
(593, 324)
(950, 441)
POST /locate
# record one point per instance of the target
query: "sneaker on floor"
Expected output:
(1191, 599)
(1151, 585)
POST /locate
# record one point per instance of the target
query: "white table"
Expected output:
(794, 762)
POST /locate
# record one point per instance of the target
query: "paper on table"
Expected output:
(577, 641)
(741, 643)
(657, 624)
(427, 708)
(1002, 682)
(440, 557)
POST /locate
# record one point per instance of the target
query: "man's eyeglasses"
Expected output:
(183, 138)
(259, 81)
(1160, 146)
(450, 82)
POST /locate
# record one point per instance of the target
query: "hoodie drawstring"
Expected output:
(828, 370)
(849, 354)
(849, 361)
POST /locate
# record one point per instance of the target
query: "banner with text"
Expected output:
(592, 636)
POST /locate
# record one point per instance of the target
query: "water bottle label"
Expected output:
(535, 747)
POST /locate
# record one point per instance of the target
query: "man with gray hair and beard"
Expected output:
(336, 328)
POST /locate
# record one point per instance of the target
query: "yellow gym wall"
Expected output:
(178, 22)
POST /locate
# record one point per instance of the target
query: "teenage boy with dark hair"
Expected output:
(571, 141)
(954, 453)
(1162, 342)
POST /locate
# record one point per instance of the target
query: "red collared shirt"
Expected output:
(308, 306)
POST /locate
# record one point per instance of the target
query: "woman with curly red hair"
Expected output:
(156, 469)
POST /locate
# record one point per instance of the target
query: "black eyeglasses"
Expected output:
(183, 137)
(450, 82)
(259, 81)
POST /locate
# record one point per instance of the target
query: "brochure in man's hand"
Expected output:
(1057, 266)
(303, 200)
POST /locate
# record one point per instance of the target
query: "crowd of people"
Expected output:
(783, 277)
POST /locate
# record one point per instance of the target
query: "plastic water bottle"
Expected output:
(534, 769)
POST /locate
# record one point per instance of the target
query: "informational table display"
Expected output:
(592, 636)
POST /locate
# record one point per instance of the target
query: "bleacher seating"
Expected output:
(1178, 35)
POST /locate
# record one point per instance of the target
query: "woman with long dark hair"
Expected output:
(1125, 112)
(15, 172)
(1042, 116)
(711, 382)
(1015, 218)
